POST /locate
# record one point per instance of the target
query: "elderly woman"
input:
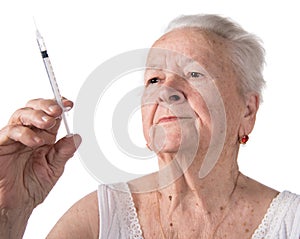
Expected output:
(202, 91)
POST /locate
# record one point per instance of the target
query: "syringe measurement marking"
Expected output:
(51, 76)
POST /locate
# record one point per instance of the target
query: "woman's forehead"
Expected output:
(186, 40)
(161, 58)
(185, 47)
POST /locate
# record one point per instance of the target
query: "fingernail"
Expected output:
(69, 135)
(46, 118)
(53, 108)
(77, 140)
(68, 108)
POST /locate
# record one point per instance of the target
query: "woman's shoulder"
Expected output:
(80, 221)
(282, 219)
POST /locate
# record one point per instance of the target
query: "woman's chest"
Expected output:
(193, 223)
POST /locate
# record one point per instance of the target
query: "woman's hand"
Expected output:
(31, 161)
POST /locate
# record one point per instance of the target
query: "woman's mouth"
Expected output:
(168, 119)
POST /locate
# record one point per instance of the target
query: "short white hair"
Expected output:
(246, 51)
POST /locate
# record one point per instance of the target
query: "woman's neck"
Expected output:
(181, 179)
(187, 206)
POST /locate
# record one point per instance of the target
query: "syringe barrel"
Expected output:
(53, 82)
(51, 77)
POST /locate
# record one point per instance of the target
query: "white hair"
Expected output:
(246, 51)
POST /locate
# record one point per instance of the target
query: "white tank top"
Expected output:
(119, 220)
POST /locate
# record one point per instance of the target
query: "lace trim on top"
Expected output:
(129, 215)
(273, 217)
(265, 230)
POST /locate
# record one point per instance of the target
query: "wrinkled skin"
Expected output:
(31, 161)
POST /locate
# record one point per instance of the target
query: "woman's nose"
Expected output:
(171, 96)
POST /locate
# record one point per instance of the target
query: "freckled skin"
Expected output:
(210, 51)
(190, 207)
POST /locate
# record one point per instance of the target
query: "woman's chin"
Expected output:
(161, 148)
(171, 147)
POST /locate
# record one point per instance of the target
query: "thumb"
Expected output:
(66, 147)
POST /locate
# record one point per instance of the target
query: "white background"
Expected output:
(81, 35)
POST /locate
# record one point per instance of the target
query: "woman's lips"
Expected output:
(167, 119)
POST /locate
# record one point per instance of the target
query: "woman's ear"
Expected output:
(249, 116)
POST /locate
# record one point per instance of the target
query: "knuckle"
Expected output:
(18, 112)
(18, 130)
(10, 128)
(34, 101)
(4, 130)
(13, 131)
(16, 117)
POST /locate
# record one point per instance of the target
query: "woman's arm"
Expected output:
(80, 221)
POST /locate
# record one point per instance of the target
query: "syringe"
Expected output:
(51, 77)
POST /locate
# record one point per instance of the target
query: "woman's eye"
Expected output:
(195, 74)
(153, 80)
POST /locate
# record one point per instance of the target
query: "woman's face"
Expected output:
(191, 92)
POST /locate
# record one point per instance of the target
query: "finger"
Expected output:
(49, 106)
(27, 136)
(31, 117)
(68, 104)
(63, 150)
(21, 134)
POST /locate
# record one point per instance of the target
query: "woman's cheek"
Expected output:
(147, 122)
